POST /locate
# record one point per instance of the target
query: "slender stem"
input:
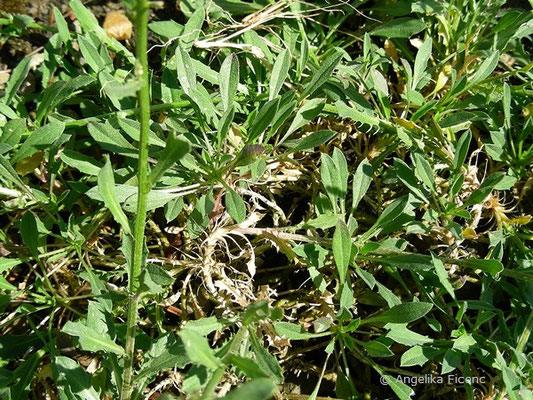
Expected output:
(141, 69)
(127, 375)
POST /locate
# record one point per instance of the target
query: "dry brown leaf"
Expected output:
(118, 26)
(4, 77)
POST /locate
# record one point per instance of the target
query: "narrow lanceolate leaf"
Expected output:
(421, 62)
(484, 189)
(401, 390)
(361, 182)
(186, 71)
(229, 80)
(507, 105)
(192, 29)
(323, 74)
(92, 340)
(62, 26)
(307, 113)
(401, 314)
(279, 73)
(175, 149)
(106, 187)
(73, 378)
(235, 205)
(442, 274)
(296, 332)
(313, 140)
(40, 139)
(399, 28)
(485, 69)
(461, 151)
(347, 112)
(264, 118)
(256, 389)
(408, 178)
(198, 349)
(16, 79)
(424, 172)
(29, 232)
(342, 249)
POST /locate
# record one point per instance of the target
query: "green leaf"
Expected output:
(13, 346)
(465, 343)
(106, 188)
(29, 232)
(155, 279)
(323, 74)
(132, 128)
(347, 112)
(82, 162)
(361, 182)
(165, 353)
(485, 69)
(91, 340)
(399, 28)
(401, 314)
(229, 80)
(307, 113)
(73, 379)
(421, 62)
(334, 176)
(461, 151)
(442, 275)
(110, 139)
(376, 349)
(279, 73)
(410, 261)
(167, 29)
(313, 140)
(486, 187)
(12, 131)
(257, 389)
(492, 267)
(424, 172)
(127, 196)
(90, 25)
(400, 334)
(507, 105)
(408, 178)
(97, 61)
(186, 71)
(235, 205)
(419, 355)
(175, 149)
(398, 213)
(342, 249)
(18, 75)
(296, 332)
(192, 29)
(204, 326)
(40, 139)
(265, 116)
(26, 373)
(266, 361)
(198, 349)
(59, 92)
(403, 391)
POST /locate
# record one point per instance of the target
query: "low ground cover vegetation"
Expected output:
(266, 199)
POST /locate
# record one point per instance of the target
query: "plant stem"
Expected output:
(141, 70)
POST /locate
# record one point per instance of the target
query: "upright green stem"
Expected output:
(141, 70)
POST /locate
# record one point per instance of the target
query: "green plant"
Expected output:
(268, 200)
